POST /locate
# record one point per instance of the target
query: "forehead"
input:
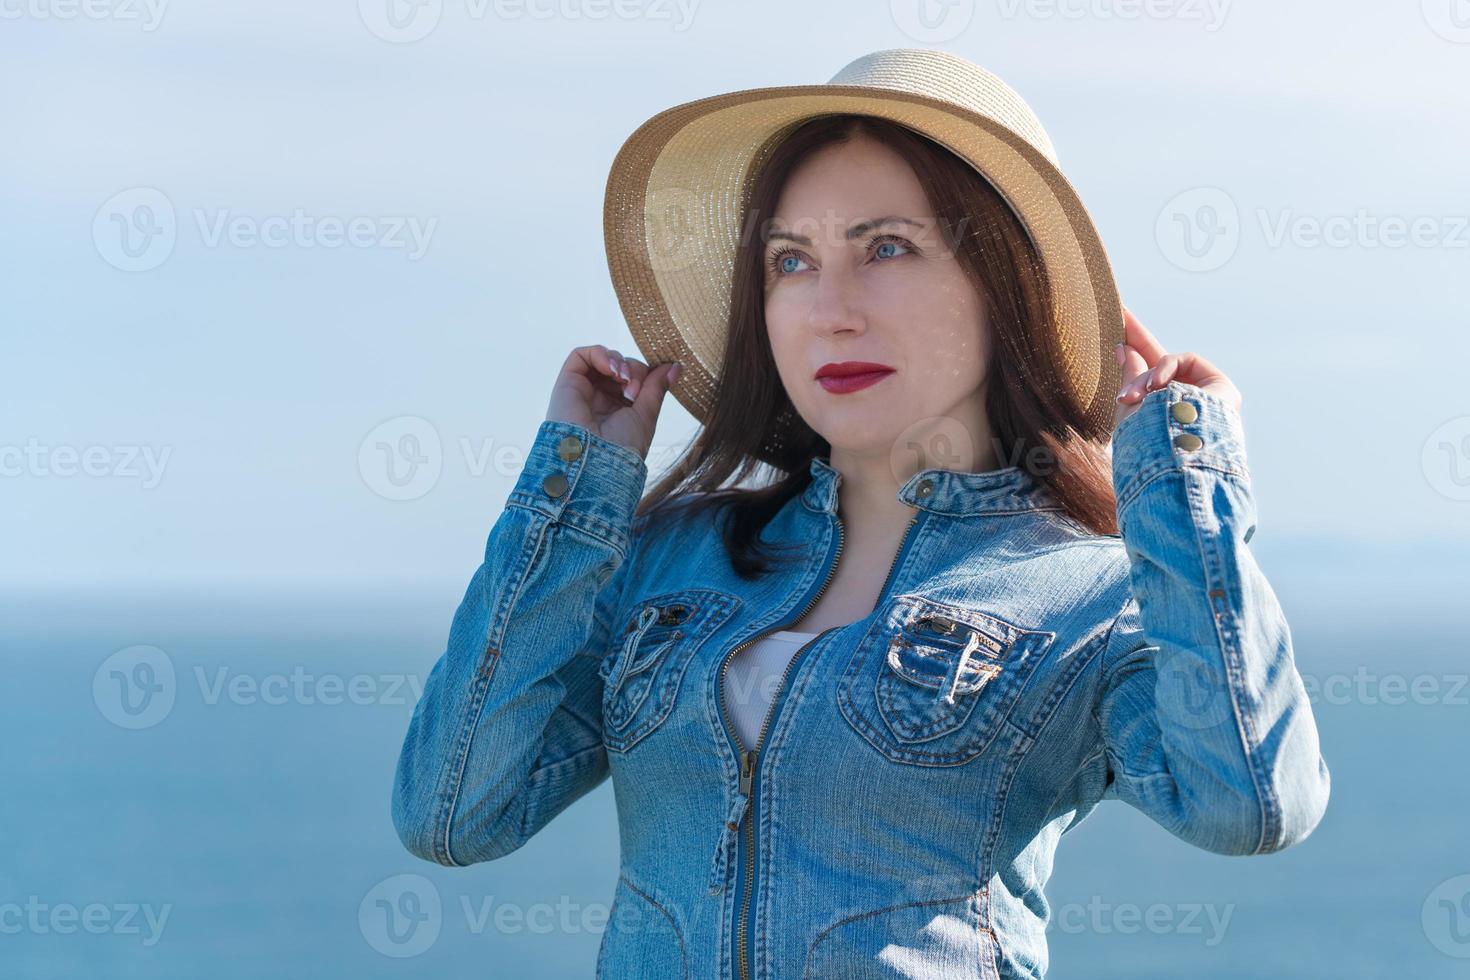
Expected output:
(850, 181)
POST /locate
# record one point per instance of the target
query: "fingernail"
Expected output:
(676, 372)
(1118, 353)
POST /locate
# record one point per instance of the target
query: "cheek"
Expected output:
(948, 356)
(786, 341)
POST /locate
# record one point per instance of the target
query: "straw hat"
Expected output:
(673, 209)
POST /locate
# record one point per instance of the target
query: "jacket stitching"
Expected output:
(476, 708)
(1062, 689)
(1199, 460)
(1006, 777)
(1211, 562)
(589, 524)
(678, 933)
(1106, 666)
(821, 936)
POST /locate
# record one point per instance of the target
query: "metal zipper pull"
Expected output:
(971, 646)
(747, 771)
(646, 619)
(725, 846)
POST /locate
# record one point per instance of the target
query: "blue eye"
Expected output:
(885, 249)
(784, 262)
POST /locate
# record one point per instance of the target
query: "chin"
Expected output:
(860, 432)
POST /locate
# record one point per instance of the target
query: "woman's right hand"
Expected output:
(590, 389)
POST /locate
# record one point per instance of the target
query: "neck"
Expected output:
(868, 493)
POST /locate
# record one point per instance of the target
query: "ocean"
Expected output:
(242, 828)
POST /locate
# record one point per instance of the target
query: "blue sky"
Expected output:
(222, 397)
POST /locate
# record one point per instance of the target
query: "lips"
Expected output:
(849, 376)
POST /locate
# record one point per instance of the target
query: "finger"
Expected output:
(1197, 370)
(1187, 367)
(655, 383)
(1155, 377)
(1133, 366)
(594, 360)
(1165, 370)
(1140, 339)
(620, 365)
(637, 377)
(610, 363)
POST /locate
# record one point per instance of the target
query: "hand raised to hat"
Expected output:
(611, 396)
(1147, 367)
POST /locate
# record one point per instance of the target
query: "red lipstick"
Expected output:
(846, 376)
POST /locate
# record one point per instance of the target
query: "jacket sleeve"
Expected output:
(508, 730)
(1206, 723)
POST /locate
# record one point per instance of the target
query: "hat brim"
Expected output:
(677, 187)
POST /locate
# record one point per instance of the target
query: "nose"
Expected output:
(837, 306)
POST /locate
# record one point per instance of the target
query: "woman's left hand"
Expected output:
(1147, 366)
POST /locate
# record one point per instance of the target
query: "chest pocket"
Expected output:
(930, 683)
(641, 675)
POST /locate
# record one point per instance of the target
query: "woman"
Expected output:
(849, 714)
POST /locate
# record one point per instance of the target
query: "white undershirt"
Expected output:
(754, 675)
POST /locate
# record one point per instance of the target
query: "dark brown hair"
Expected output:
(753, 426)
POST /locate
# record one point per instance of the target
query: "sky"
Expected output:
(247, 244)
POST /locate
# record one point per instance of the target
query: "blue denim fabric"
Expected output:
(918, 766)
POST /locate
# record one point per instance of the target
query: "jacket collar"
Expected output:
(1006, 490)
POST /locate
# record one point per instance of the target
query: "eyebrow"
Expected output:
(856, 231)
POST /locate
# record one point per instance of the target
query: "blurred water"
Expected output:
(252, 821)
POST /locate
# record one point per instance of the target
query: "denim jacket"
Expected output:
(899, 815)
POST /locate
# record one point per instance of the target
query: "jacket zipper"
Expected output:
(749, 759)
